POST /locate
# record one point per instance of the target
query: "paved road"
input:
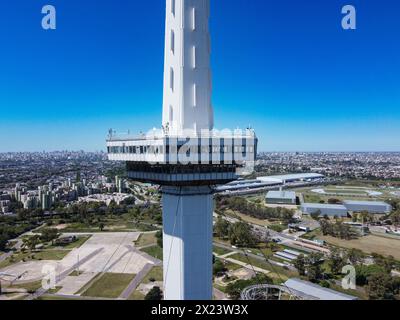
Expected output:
(219, 295)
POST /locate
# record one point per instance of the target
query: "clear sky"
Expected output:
(285, 67)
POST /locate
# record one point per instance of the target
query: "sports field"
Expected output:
(369, 244)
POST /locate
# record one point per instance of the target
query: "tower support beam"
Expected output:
(187, 243)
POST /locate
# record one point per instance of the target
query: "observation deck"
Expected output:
(209, 158)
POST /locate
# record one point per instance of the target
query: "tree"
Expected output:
(49, 234)
(336, 261)
(3, 242)
(364, 272)
(155, 294)
(355, 256)
(316, 214)
(387, 263)
(300, 264)
(380, 287)
(218, 267)
(240, 234)
(159, 236)
(395, 218)
(326, 227)
(334, 201)
(221, 228)
(314, 270)
(31, 242)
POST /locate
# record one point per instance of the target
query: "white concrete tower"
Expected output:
(187, 74)
(187, 175)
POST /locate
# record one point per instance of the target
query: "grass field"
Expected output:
(156, 273)
(369, 244)
(31, 286)
(136, 295)
(51, 254)
(220, 251)
(351, 190)
(247, 218)
(27, 256)
(146, 239)
(109, 285)
(231, 266)
(56, 298)
(275, 271)
(154, 251)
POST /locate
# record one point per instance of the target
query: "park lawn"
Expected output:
(220, 251)
(361, 293)
(275, 271)
(55, 290)
(136, 295)
(56, 298)
(220, 288)
(155, 251)
(30, 287)
(155, 273)
(50, 254)
(369, 244)
(15, 258)
(38, 255)
(231, 266)
(109, 285)
(246, 218)
(312, 234)
(278, 227)
(250, 260)
(146, 239)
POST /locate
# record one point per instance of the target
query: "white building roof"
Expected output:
(317, 291)
(295, 176)
(324, 206)
(290, 195)
(366, 203)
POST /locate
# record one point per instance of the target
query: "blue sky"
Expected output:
(285, 67)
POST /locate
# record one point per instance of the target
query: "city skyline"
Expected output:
(338, 92)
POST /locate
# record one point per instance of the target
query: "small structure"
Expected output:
(316, 291)
(373, 207)
(288, 255)
(64, 241)
(330, 210)
(281, 197)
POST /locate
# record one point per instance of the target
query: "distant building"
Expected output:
(330, 210)
(296, 177)
(373, 207)
(281, 197)
(315, 291)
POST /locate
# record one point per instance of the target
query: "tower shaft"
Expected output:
(187, 243)
(187, 74)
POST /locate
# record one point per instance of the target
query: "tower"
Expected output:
(187, 157)
(187, 74)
